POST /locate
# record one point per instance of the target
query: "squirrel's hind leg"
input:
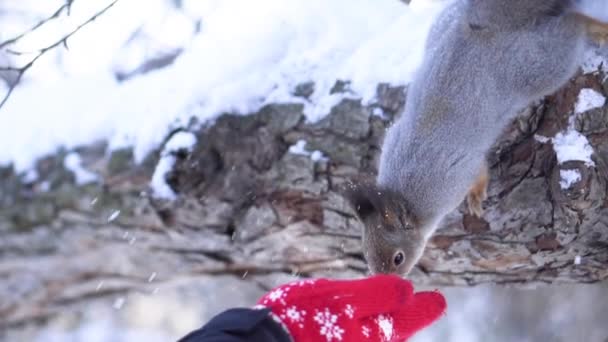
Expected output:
(598, 31)
(478, 192)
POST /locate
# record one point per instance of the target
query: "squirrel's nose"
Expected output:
(381, 270)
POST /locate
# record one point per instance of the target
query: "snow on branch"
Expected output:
(66, 7)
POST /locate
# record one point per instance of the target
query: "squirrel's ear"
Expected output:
(359, 198)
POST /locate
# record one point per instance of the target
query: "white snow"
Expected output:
(541, 138)
(593, 60)
(299, 148)
(30, 176)
(246, 54)
(588, 99)
(569, 177)
(379, 112)
(572, 145)
(162, 35)
(577, 260)
(160, 188)
(73, 163)
(317, 155)
(178, 141)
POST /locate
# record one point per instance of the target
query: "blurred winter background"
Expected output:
(145, 66)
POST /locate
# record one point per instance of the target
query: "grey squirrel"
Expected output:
(485, 60)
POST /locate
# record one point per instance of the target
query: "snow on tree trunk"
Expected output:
(257, 197)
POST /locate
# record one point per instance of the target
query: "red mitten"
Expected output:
(380, 308)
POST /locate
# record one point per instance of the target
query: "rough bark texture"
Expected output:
(248, 207)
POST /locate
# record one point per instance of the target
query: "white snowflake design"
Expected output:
(349, 311)
(385, 324)
(294, 315)
(366, 331)
(277, 295)
(329, 328)
(304, 282)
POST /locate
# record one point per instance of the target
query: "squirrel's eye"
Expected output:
(398, 258)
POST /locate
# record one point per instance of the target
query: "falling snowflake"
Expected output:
(114, 215)
(118, 303)
(329, 328)
(349, 311)
(366, 331)
(386, 326)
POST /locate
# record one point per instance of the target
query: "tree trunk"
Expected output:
(249, 207)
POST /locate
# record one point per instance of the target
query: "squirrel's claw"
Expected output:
(478, 193)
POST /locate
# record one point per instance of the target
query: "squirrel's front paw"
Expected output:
(474, 202)
(478, 193)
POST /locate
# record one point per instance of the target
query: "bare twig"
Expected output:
(63, 41)
(55, 15)
(13, 52)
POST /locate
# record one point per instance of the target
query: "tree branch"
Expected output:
(63, 41)
(57, 14)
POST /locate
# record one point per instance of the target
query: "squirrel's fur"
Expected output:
(485, 60)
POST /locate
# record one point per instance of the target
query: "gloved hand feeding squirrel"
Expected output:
(380, 308)
(485, 60)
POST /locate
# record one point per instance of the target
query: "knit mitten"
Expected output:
(380, 308)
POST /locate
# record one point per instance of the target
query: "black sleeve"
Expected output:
(239, 325)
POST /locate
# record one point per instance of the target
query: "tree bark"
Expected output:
(249, 207)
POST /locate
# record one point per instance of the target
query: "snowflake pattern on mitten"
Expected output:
(332, 311)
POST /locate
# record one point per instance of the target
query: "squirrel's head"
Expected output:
(392, 238)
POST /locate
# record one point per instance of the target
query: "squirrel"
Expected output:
(485, 61)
